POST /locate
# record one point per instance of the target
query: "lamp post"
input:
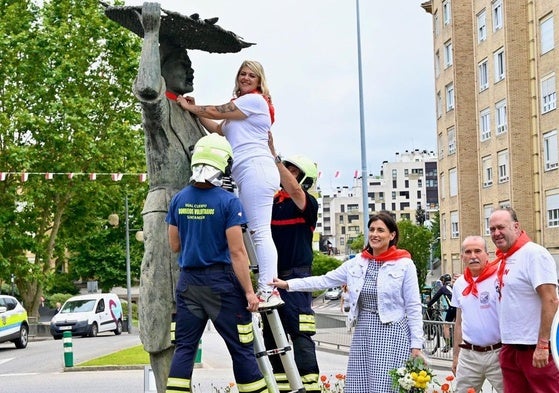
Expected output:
(128, 278)
(364, 176)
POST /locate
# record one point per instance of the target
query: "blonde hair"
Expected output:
(257, 68)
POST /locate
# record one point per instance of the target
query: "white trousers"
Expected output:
(474, 367)
(258, 180)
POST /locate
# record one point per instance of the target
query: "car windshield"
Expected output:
(78, 306)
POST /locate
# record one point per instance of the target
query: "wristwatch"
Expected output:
(278, 159)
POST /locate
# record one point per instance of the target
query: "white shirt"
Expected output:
(520, 307)
(480, 319)
(249, 137)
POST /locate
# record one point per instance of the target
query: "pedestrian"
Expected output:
(245, 122)
(294, 216)
(214, 284)
(477, 340)
(445, 292)
(344, 302)
(385, 306)
(527, 283)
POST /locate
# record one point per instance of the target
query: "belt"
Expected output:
(478, 348)
(306, 270)
(219, 267)
(523, 347)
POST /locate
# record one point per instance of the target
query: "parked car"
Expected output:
(14, 325)
(88, 315)
(333, 293)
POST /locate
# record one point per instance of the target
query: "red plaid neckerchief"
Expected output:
(281, 195)
(502, 257)
(391, 254)
(489, 269)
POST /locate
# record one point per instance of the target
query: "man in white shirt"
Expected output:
(477, 339)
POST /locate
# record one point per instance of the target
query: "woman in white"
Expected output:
(245, 122)
(385, 307)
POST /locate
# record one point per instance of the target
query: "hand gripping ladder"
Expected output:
(285, 350)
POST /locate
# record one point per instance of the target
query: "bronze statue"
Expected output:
(164, 73)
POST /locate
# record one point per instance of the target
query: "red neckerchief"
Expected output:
(268, 101)
(391, 254)
(281, 195)
(502, 257)
(170, 95)
(489, 269)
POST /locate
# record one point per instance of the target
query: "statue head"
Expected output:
(176, 68)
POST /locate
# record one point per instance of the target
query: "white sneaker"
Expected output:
(270, 299)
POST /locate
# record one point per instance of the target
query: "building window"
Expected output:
(547, 42)
(437, 64)
(497, 7)
(449, 97)
(394, 173)
(483, 75)
(436, 24)
(487, 210)
(481, 26)
(447, 54)
(487, 166)
(501, 117)
(484, 125)
(503, 165)
(442, 190)
(443, 226)
(451, 135)
(454, 232)
(550, 150)
(447, 14)
(549, 94)
(441, 145)
(552, 207)
(439, 104)
(453, 182)
(393, 194)
(499, 58)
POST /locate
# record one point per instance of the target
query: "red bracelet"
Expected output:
(542, 347)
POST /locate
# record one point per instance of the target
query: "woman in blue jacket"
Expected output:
(385, 307)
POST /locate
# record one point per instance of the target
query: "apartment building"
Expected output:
(495, 66)
(403, 186)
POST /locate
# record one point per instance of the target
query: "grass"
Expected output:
(130, 356)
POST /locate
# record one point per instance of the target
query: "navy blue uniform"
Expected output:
(208, 288)
(292, 231)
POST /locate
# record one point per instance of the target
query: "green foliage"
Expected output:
(436, 230)
(357, 244)
(65, 107)
(61, 283)
(417, 240)
(322, 264)
(58, 297)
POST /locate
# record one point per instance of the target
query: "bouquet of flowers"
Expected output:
(414, 377)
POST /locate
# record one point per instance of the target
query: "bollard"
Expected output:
(198, 358)
(68, 351)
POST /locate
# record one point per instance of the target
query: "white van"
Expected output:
(87, 315)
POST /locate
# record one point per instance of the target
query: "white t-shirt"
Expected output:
(249, 137)
(520, 307)
(480, 319)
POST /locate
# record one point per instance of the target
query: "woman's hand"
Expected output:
(276, 282)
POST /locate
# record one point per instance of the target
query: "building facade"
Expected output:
(403, 186)
(495, 66)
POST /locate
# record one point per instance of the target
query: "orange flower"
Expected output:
(445, 387)
(231, 384)
(450, 378)
(471, 390)
(340, 376)
(323, 378)
(327, 385)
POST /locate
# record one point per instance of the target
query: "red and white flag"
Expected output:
(356, 174)
(92, 176)
(337, 174)
(143, 177)
(116, 176)
(3, 176)
(48, 176)
(24, 176)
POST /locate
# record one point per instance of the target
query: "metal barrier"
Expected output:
(434, 341)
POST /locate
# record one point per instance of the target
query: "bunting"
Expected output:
(24, 176)
(356, 174)
(337, 174)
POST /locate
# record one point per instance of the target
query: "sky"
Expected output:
(308, 49)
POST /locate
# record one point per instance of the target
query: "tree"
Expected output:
(417, 240)
(420, 216)
(323, 263)
(358, 243)
(66, 108)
